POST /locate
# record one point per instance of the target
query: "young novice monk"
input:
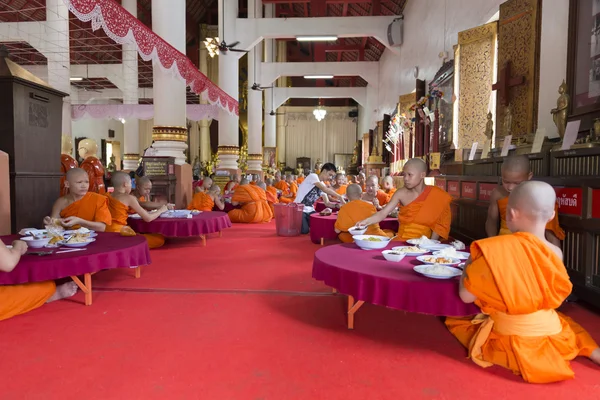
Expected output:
(518, 280)
(80, 208)
(120, 202)
(340, 185)
(206, 201)
(388, 189)
(515, 170)
(354, 211)
(142, 191)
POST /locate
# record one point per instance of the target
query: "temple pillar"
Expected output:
(131, 128)
(204, 125)
(270, 120)
(228, 82)
(169, 132)
(281, 131)
(254, 99)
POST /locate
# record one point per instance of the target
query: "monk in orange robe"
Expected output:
(80, 208)
(287, 196)
(361, 180)
(518, 280)
(255, 207)
(373, 194)
(206, 201)
(300, 179)
(19, 299)
(142, 191)
(270, 188)
(340, 184)
(354, 211)
(271, 198)
(232, 184)
(424, 210)
(66, 163)
(121, 202)
(515, 170)
(388, 189)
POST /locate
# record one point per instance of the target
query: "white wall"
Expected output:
(97, 129)
(424, 38)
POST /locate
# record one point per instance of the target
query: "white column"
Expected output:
(254, 98)
(204, 124)
(281, 131)
(56, 50)
(169, 131)
(270, 121)
(131, 128)
(228, 81)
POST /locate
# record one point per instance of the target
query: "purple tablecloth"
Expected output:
(323, 227)
(201, 224)
(110, 250)
(320, 206)
(367, 276)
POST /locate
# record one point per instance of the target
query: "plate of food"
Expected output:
(452, 253)
(371, 242)
(356, 231)
(78, 240)
(437, 271)
(196, 212)
(326, 212)
(435, 247)
(412, 251)
(439, 260)
(393, 255)
(81, 231)
(423, 240)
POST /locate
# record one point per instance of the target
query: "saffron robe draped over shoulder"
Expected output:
(389, 194)
(19, 299)
(353, 212)
(119, 212)
(382, 197)
(341, 190)
(201, 202)
(272, 200)
(428, 213)
(92, 207)
(255, 207)
(519, 281)
(552, 225)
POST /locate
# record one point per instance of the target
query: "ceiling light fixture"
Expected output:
(318, 76)
(75, 79)
(324, 38)
(212, 45)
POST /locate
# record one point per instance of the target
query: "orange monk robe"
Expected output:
(518, 282)
(20, 299)
(353, 212)
(428, 213)
(119, 212)
(66, 163)
(300, 180)
(382, 197)
(272, 200)
(282, 185)
(293, 189)
(255, 207)
(92, 207)
(201, 202)
(253, 183)
(95, 172)
(552, 225)
(235, 185)
(286, 193)
(389, 194)
(272, 190)
(341, 190)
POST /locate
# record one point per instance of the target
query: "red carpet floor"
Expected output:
(242, 319)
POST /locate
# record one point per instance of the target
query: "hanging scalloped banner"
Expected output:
(124, 28)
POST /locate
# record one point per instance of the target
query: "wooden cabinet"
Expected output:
(161, 171)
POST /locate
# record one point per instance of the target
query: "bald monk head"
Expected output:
(387, 183)
(143, 186)
(353, 192)
(121, 182)
(270, 181)
(262, 185)
(78, 182)
(360, 178)
(207, 184)
(530, 207)
(372, 185)
(340, 179)
(215, 189)
(515, 169)
(244, 182)
(414, 173)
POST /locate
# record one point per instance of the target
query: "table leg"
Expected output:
(203, 237)
(85, 286)
(138, 272)
(334, 290)
(220, 233)
(352, 309)
(322, 241)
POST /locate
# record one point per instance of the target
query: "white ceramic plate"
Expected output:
(463, 255)
(364, 244)
(422, 269)
(400, 248)
(434, 247)
(82, 244)
(431, 260)
(416, 242)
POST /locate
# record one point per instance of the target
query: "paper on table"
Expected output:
(570, 134)
(486, 149)
(538, 140)
(506, 146)
(473, 151)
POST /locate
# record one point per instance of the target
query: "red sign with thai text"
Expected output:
(595, 203)
(453, 188)
(441, 183)
(570, 200)
(485, 191)
(469, 190)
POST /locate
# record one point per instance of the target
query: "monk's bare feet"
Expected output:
(63, 291)
(595, 356)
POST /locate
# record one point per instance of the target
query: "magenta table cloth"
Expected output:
(323, 227)
(201, 224)
(110, 250)
(320, 206)
(367, 276)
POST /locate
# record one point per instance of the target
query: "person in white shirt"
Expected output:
(311, 189)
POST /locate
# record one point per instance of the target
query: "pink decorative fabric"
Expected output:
(323, 227)
(110, 250)
(201, 224)
(124, 28)
(194, 112)
(369, 277)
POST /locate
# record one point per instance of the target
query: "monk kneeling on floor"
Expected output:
(255, 208)
(424, 210)
(354, 211)
(80, 208)
(518, 280)
(120, 202)
(19, 299)
(207, 199)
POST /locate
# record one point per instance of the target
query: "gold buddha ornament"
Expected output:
(559, 114)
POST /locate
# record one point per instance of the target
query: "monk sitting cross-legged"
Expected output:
(206, 200)
(515, 170)
(120, 202)
(354, 211)
(80, 208)
(424, 210)
(518, 280)
(142, 193)
(271, 198)
(255, 208)
(19, 299)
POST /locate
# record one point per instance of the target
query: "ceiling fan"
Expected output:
(256, 86)
(224, 47)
